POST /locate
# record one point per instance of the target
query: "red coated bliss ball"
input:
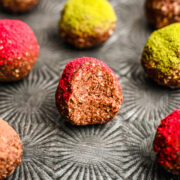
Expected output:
(19, 50)
(167, 143)
(88, 92)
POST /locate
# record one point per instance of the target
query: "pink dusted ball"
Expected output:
(167, 142)
(19, 50)
(88, 92)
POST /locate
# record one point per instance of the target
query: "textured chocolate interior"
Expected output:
(96, 97)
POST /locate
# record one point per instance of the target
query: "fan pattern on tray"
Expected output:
(143, 99)
(32, 98)
(38, 156)
(139, 161)
(89, 152)
(121, 149)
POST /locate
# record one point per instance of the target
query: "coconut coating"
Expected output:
(85, 23)
(161, 56)
(10, 150)
(161, 13)
(19, 50)
(18, 6)
(167, 143)
(88, 92)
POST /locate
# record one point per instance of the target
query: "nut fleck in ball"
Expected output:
(88, 92)
(18, 6)
(161, 13)
(19, 50)
(161, 56)
(10, 150)
(167, 143)
(87, 23)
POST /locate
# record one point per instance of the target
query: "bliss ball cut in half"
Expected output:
(161, 56)
(87, 23)
(19, 50)
(10, 150)
(167, 143)
(161, 13)
(18, 6)
(88, 92)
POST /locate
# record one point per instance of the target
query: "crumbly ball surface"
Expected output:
(88, 92)
(167, 142)
(10, 150)
(19, 49)
(162, 50)
(87, 16)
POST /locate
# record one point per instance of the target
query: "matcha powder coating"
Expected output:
(83, 16)
(162, 50)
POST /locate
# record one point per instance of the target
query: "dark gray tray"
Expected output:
(121, 149)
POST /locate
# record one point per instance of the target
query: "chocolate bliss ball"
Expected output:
(167, 143)
(161, 56)
(88, 92)
(86, 23)
(161, 13)
(18, 6)
(10, 150)
(19, 50)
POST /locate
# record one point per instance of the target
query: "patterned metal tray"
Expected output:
(55, 150)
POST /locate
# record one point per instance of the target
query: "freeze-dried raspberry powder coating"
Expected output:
(167, 142)
(88, 92)
(19, 49)
(16, 39)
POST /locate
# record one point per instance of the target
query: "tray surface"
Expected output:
(55, 150)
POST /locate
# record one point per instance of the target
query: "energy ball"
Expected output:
(19, 50)
(167, 143)
(161, 13)
(18, 6)
(10, 150)
(161, 56)
(87, 23)
(88, 92)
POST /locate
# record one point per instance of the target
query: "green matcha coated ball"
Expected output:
(87, 23)
(161, 56)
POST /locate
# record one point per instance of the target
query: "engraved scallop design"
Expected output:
(134, 41)
(133, 36)
(89, 152)
(51, 7)
(145, 100)
(31, 98)
(39, 141)
(121, 149)
(139, 160)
